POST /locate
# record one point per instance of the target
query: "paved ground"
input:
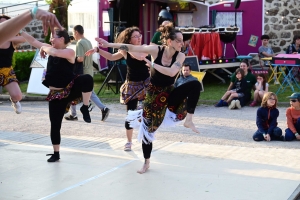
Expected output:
(222, 162)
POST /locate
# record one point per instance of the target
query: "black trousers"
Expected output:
(131, 105)
(83, 83)
(191, 91)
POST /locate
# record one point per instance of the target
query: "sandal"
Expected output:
(253, 104)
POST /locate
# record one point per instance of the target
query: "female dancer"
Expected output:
(167, 63)
(137, 77)
(64, 85)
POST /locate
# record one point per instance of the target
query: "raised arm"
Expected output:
(12, 27)
(17, 40)
(32, 41)
(148, 49)
(105, 54)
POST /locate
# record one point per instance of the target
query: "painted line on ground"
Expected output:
(85, 181)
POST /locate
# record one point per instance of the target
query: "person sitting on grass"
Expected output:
(293, 118)
(261, 88)
(266, 119)
(237, 91)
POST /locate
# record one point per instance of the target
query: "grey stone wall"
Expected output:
(35, 29)
(281, 22)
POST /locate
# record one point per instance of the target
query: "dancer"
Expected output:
(266, 119)
(64, 85)
(7, 75)
(84, 65)
(14, 25)
(167, 63)
(137, 77)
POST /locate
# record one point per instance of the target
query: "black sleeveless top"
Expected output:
(6, 56)
(60, 72)
(136, 69)
(159, 79)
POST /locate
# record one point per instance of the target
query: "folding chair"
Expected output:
(199, 76)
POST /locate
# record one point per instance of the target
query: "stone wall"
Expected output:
(281, 22)
(35, 29)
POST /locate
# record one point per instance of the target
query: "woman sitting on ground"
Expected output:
(266, 119)
(236, 92)
(261, 88)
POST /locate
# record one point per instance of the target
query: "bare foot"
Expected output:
(190, 124)
(145, 167)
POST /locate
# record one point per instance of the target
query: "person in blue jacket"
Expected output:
(266, 120)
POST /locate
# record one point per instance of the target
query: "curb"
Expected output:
(5, 97)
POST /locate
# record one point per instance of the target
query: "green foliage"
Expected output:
(21, 63)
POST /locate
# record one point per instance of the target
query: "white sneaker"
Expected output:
(276, 82)
(238, 104)
(127, 146)
(17, 106)
(232, 105)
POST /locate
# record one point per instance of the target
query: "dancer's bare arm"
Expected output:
(69, 54)
(10, 28)
(105, 54)
(173, 70)
(32, 41)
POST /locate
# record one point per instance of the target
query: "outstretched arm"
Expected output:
(11, 27)
(105, 54)
(148, 49)
(32, 41)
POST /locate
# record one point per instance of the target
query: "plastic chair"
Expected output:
(199, 76)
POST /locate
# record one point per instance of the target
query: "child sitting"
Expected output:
(261, 88)
(266, 119)
(293, 118)
(237, 91)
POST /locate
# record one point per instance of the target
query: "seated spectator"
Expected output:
(265, 50)
(250, 78)
(266, 119)
(293, 118)
(237, 91)
(261, 88)
(294, 48)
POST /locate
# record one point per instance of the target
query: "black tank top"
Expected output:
(60, 72)
(136, 69)
(159, 79)
(6, 56)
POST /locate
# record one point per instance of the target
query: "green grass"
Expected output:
(213, 90)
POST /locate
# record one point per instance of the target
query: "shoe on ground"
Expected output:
(53, 158)
(219, 104)
(17, 106)
(232, 105)
(127, 146)
(225, 103)
(71, 118)
(253, 104)
(105, 113)
(85, 113)
(238, 104)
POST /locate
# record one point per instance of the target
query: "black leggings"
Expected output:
(83, 83)
(191, 91)
(131, 105)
